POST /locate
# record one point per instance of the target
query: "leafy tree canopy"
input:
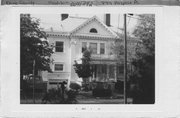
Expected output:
(118, 47)
(144, 62)
(34, 46)
(145, 49)
(84, 70)
(145, 32)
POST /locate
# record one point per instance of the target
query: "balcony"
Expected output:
(103, 57)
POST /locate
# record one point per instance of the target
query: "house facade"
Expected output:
(78, 34)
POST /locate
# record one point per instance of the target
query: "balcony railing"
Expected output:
(103, 56)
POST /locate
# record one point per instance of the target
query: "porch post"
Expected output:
(107, 74)
(97, 71)
(93, 66)
(48, 85)
(115, 73)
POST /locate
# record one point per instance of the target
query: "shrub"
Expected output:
(71, 96)
(75, 86)
(102, 92)
(72, 93)
(119, 85)
(53, 96)
(102, 89)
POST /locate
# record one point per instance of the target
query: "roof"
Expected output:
(71, 23)
(66, 25)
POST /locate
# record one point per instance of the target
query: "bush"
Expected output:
(72, 93)
(75, 86)
(136, 94)
(71, 96)
(53, 96)
(102, 89)
(119, 85)
(102, 92)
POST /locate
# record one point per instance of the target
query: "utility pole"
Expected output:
(34, 62)
(125, 60)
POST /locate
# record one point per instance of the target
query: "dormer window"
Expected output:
(93, 30)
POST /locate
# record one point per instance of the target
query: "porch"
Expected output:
(106, 71)
(104, 76)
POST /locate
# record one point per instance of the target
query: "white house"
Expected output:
(76, 35)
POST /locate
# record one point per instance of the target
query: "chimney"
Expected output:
(64, 16)
(107, 20)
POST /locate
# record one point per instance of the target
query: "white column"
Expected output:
(93, 72)
(97, 71)
(107, 74)
(48, 85)
(73, 57)
(98, 48)
(68, 83)
(115, 73)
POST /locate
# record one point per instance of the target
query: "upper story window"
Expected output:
(93, 30)
(58, 67)
(59, 47)
(93, 48)
(102, 48)
(84, 46)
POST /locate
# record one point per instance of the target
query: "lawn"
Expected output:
(87, 98)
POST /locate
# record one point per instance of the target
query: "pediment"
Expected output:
(94, 27)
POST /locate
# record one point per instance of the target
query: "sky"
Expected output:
(54, 20)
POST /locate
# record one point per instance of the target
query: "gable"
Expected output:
(94, 27)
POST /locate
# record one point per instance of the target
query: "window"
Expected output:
(102, 48)
(84, 46)
(93, 48)
(58, 67)
(93, 30)
(59, 46)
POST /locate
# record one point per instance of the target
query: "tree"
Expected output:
(144, 62)
(118, 49)
(84, 70)
(33, 46)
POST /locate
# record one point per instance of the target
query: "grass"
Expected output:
(87, 98)
(30, 101)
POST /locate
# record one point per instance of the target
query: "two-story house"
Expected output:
(76, 35)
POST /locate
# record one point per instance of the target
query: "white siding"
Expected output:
(101, 30)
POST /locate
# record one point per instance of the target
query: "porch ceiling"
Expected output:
(106, 62)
